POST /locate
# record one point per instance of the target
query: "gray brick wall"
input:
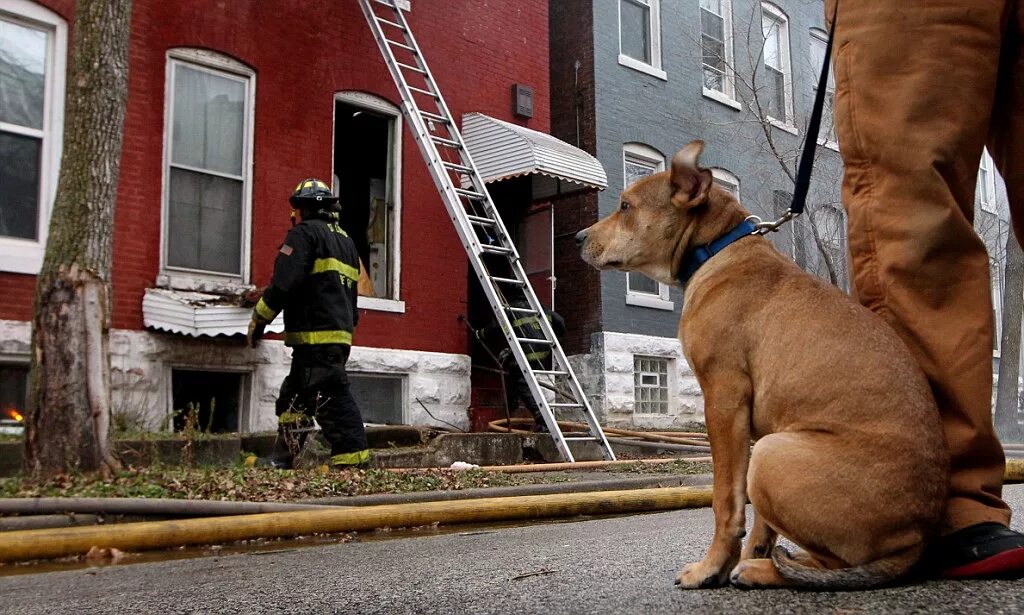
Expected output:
(632, 106)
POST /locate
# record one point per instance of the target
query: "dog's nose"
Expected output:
(581, 237)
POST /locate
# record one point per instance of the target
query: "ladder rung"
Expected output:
(582, 439)
(550, 372)
(457, 167)
(422, 91)
(446, 142)
(496, 250)
(538, 342)
(433, 117)
(412, 68)
(519, 310)
(512, 281)
(387, 4)
(402, 45)
(481, 221)
(566, 405)
(469, 194)
(391, 23)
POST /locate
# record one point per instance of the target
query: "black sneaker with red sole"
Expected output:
(982, 551)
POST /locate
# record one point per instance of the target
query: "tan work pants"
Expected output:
(921, 87)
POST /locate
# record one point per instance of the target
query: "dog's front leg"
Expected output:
(727, 414)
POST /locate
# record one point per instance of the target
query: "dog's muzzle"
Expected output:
(581, 238)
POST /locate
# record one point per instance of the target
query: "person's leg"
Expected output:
(915, 81)
(293, 423)
(338, 413)
(1006, 137)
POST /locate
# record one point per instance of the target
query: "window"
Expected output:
(985, 188)
(13, 391)
(716, 51)
(650, 385)
(207, 401)
(639, 161)
(209, 158)
(640, 36)
(830, 223)
(381, 398)
(368, 178)
(827, 134)
(775, 95)
(33, 50)
(727, 180)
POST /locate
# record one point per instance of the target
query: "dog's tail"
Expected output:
(873, 574)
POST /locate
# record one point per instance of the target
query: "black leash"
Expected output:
(806, 166)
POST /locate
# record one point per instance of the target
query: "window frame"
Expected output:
(377, 104)
(831, 139)
(640, 153)
(654, 23)
(728, 96)
(18, 255)
(725, 178)
(776, 14)
(222, 65)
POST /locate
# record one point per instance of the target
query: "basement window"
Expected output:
(206, 401)
(650, 385)
(13, 391)
(381, 399)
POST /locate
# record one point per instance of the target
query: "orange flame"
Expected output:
(14, 414)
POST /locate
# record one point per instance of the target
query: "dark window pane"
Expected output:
(636, 31)
(639, 283)
(713, 79)
(712, 25)
(19, 186)
(205, 223)
(774, 94)
(22, 74)
(13, 391)
(714, 53)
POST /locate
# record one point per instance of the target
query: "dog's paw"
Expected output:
(754, 573)
(700, 575)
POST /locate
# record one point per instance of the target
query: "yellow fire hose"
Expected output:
(45, 544)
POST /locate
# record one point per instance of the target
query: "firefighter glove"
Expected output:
(257, 328)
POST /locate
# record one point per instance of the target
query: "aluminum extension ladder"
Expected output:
(488, 244)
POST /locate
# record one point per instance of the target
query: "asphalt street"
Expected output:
(617, 565)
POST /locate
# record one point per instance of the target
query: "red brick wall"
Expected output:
(303, 51)
(578, 295)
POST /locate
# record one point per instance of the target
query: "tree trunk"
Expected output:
(1009, 362)
(68, 419)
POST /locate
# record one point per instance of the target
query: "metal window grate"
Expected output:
(650, 385)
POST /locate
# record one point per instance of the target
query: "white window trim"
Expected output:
(775, 13)
(724, 176)
(821, 36)
(181, 278)
(26, 255)
(728, 97)
(654, 68)
(646, 154)
(379, 105)
(988, 191)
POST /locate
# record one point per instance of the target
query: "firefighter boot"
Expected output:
(290, 439)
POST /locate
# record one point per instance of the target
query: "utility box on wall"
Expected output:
(522, 100)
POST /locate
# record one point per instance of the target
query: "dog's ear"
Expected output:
(690, 183)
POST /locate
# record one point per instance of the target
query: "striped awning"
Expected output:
(502, 150)
(197, 314)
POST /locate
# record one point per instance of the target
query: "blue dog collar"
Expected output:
(702, 254)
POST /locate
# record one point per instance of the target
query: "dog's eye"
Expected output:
(623, 206)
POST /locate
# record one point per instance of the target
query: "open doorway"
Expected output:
(365, 180)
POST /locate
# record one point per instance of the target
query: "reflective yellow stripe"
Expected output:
(264, 310)
(299, 338)
(322, 265)
(533, 356)
(523, 321)
(351, 459)
(291, 418)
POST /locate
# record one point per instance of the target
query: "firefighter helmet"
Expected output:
(312, 193)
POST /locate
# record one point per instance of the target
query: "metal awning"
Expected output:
(197, 314)
(502, 150)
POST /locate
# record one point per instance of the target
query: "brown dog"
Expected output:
(850, 462)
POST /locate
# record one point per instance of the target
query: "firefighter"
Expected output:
(314, 283)
(539, 356)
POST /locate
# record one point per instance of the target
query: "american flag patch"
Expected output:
(286, 249)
